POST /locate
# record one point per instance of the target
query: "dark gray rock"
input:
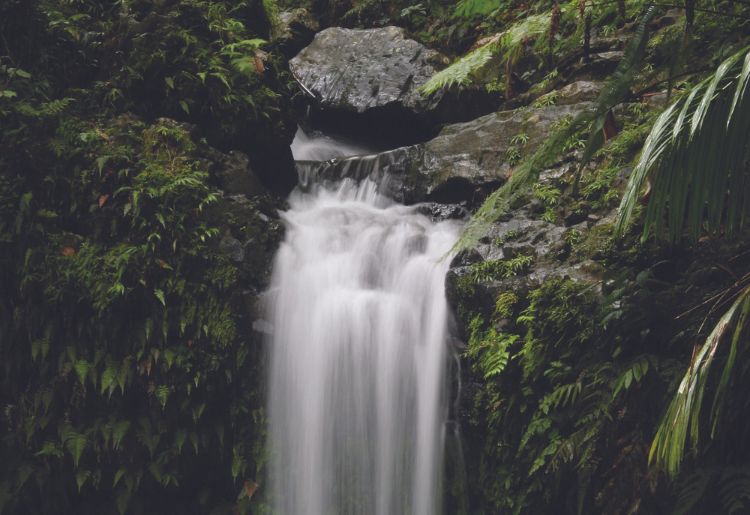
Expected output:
(251, 234)
(236, 177)
(232, 247)
(298, 28)
(520, 235)
(356, 70)
(576, 92)
(439, 212)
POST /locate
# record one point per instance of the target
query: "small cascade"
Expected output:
(322, 147)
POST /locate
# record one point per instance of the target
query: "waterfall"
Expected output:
(358, 396)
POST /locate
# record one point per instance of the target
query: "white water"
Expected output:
(359, 355)
(322, 147)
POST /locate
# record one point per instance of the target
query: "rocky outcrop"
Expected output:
(462, 164)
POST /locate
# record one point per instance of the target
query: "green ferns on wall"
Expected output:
(127, 384)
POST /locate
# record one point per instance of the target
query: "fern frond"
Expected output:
(696, 157)
(734, 490)
(505, 47)
(462, 71)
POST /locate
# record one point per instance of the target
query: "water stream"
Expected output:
(358, 394)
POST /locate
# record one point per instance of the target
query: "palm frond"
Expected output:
(682, 419)
(696, 157)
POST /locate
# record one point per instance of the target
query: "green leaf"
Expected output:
(101, 161)
(82, 368)
(162, 394)
(179, 439)
(693, 157)
(81, 477)
(36, 347)
(238, 464)
(194, 440)
(76, 443)
(50, 449)
(118, 475)
(160, 295)
(108, 380)
(123, 500)
(682, 418)
(119, 431)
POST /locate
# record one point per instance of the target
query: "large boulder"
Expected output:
(367, 81)
(356, 70)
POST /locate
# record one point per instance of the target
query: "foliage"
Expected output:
(551, 406)
(682, 419)
(499, 202)
(473, 8)
(618, 84)
(696, 159)
(500, 268)
(130, 379)
(505, 47)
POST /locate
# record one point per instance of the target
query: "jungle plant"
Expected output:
(503, 49)
(527, 171)
(696, 158)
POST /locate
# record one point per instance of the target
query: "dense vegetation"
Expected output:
(131, 376)
(126, 384)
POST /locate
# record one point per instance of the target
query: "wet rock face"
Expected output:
(356, 70)
(468, 160)
(396, 171)
(464, 163)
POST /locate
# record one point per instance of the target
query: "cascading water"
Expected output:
(358, 395)
(321, 147)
